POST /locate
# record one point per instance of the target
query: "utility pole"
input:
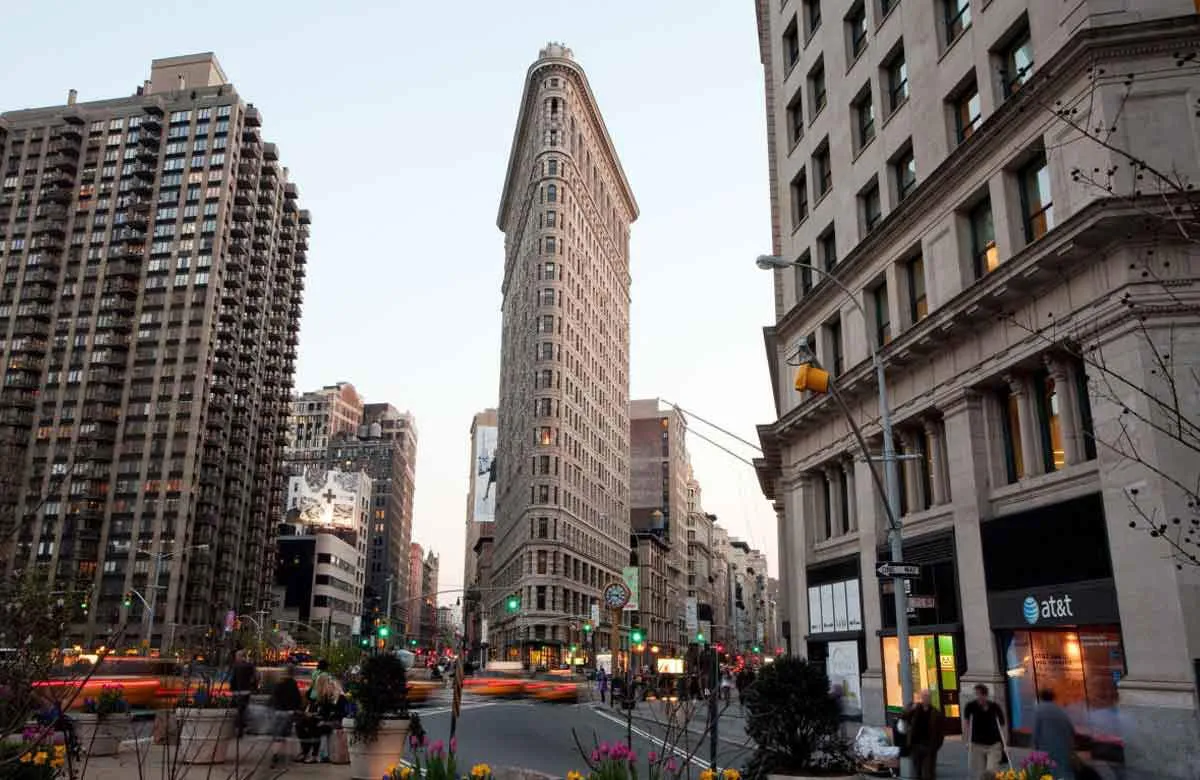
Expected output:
(714, 671)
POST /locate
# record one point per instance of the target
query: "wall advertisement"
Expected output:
(484, 508)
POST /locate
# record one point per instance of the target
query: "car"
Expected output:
(553, 687)
(493, 684)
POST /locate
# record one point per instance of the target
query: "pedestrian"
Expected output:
(983, 722)
(322, 670)
(286, 703)
(243, 681)
(924, 729)
(602, 683)
(726, 686)
(331, 708)
(1054, 734)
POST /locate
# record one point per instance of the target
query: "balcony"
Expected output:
(261, 240)
(252, 117)
(151, 124)
(99, 453)
(241, 214)
(64, 162)
(30, 347)
(58, 194)
(48, 226)
(291, 191)
(147, 155)
(39, 292)
(129, 235)
(47, 243)
(148, 140)
(305, 217)
(58, 179)
(15, 418)
(20, 398)
(140, 169)
(35, 311)
(250, 151)
(238, 246)
(121, 287)
(129, 264)
(71, 132)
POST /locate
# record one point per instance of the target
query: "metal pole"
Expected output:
(390, 579)
(713, 717)
(158, 559)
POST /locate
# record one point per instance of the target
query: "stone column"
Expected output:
(1031, 444)
(834, 484)
(795, 499)
(937, 480)
(851, 498)
(967, 465)
(872, 532)
(1070, 425)
(783, 597)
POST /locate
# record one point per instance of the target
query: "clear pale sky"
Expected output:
(396, 119)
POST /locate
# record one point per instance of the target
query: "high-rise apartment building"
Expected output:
(153, 253)
(427, 609)
(562, 510)
(997, 188)
(319, 416)
(413, 595)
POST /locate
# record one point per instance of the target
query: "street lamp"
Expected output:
(891, 492)
(158, 562)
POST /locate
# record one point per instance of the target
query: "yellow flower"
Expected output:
(60, 750)
(708, 774)
(573, 775)
(405, 772)
(39, 758)
(25, 759)
(1046, 777)
(481, 770)
(57, 763)
(731, 774)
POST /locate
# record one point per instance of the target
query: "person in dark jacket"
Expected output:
(1054, 734)
(286, 701)
(243, 681)
(925, 735)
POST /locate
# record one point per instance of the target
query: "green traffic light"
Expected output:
(365, 641)
(412, 642)
(700, 638)
(636, 636)
(587, 627)
(384, 632)
(128, 600)
(756, 649)
(513, 603)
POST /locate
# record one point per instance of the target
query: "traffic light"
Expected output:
(573, 648)
(810, 377)
(587, 628)
(720, 647)
(365, 641)
(700, 638)
(513, 603)
(756, 649)
(127, 601)
(636, 636)
(384, 632)
(412, 642)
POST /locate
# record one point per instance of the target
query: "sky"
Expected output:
(396, 119)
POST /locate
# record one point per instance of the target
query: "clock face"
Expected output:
(616, 595)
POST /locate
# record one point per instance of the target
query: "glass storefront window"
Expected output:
(1081, 667)
(934, 666)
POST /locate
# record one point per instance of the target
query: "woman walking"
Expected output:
(286, 702)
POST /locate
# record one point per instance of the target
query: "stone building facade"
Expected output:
(562, 511)
(966, 172)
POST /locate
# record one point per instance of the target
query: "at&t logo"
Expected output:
(1031, 610)
(1052, 607)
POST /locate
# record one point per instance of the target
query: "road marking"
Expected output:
(653, 739)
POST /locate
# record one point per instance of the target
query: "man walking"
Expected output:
(983, 722)
(924, 735)
(243, 681)
(1054, 734)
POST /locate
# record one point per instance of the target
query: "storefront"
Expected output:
(935, 630)
(1063, 635)
(835, 630)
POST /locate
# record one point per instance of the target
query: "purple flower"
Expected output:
(672, 766)
(653, 757)
(453, 744)
(437, 749)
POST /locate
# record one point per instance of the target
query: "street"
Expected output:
(542, 736)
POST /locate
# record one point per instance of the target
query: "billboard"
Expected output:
(329, 498)
(630, 575)
(484, 509)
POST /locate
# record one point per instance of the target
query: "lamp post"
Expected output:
(889, 492)
(158, 563)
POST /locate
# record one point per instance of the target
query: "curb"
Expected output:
(748, 745)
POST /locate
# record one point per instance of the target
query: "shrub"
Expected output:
(380, 691)
(795, 722)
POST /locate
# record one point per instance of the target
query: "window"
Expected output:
(983, 239)
(1018, 63)
(791, 46)
(795, 119)
(812, 16)
(883, 317)
(872, 211)
(958, 18)
(541, 561)
(799, 198)
(545, 436)
(897, 80)
(856, 24)
(551, 218)
(1037, 209)
(552, 193)
(864, 114)
(552, 167)
(886, 6)
(905, 169)
(816, 84)
(914, 271)
(833, 341)
(822, 169)
(828, 246)
(541, 599)
(543, 528)
(804, 275)
(967, 112)
(1010, 424)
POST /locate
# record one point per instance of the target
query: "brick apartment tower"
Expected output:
(562, 513)
(154, 254)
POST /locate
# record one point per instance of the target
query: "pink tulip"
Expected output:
(453, 744)
(595, 756)
(672, 766)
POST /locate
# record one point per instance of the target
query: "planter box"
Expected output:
(204, 735)
(814, 777)
(370, 760)
(101, 735)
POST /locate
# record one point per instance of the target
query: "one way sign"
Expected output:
(907, 571)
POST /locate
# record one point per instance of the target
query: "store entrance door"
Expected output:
(934, 661)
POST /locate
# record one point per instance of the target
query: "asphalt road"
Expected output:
(542, 736)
